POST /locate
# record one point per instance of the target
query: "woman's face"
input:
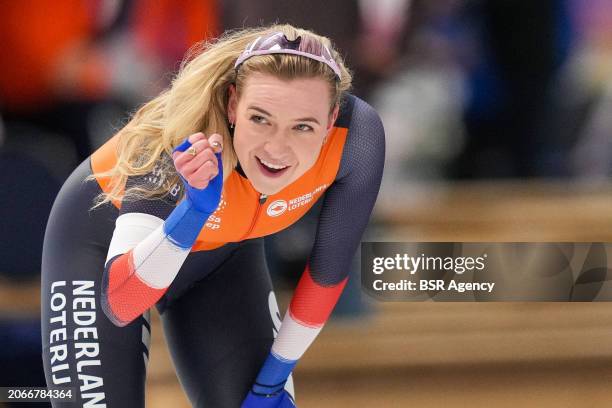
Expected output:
(280, 127)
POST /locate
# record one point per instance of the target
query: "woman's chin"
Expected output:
(268, 188)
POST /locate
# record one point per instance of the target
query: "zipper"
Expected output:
(262, 200)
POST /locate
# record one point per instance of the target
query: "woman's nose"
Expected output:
(276, 145)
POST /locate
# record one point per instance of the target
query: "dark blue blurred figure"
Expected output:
(28, 194)
(522, 44)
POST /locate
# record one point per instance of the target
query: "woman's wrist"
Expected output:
(273, 375)
(184, 224)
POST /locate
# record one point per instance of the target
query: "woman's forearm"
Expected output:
(136, 278)
(308, 312)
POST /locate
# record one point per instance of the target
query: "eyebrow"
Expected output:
(258, 109)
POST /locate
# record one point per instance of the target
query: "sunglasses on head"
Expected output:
(278, 43)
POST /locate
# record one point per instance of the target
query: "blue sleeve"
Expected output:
(349, 200)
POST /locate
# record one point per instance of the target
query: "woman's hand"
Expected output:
(196, 160)
(280, 400)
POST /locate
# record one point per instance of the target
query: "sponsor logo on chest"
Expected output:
(279, 207)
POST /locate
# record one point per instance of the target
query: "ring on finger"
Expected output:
(192, 151)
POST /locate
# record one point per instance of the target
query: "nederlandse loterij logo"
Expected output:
(276, 208)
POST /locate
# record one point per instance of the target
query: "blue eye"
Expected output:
(258, 119)
(304, 128)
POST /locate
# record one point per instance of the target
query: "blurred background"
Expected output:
(499, 128)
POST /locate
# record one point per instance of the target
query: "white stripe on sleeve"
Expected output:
(293, 338)
(130, 229)
(157, 260)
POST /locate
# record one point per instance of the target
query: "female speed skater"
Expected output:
(172, 210)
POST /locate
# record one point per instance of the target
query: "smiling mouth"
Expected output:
(271, 168)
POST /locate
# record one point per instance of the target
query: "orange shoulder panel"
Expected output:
(241, 216)
(103, 160)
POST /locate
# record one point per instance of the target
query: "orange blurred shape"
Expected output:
(168, 28)
(35, 36)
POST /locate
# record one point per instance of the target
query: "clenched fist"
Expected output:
(198, 162)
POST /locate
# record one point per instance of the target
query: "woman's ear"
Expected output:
(232, 103)
(332, 120)
(333, 116)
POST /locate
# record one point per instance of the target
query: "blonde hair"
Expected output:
(197, 102)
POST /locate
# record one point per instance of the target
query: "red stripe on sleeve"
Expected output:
(128, 295)
(312, 303)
